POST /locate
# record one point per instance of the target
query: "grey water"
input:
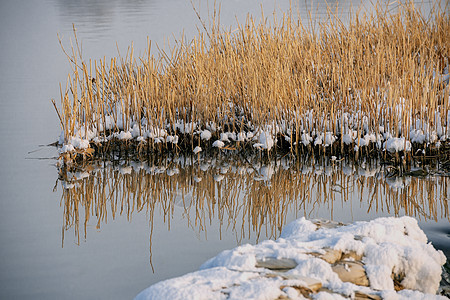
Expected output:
(41, 256)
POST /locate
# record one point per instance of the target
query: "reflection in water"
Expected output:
(242, 195)
(126, 21)
(96, 18)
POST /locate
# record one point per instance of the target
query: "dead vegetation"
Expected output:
(382, 73)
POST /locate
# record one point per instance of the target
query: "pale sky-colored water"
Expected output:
(113, 262)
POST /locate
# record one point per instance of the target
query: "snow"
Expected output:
(328, 296)
(79, 143)
(197, 149)
(218, 144)
(417, 136)
(231, 135)
(387, 245)
(329, 139)
(349, 137)
(266, 140)
(172, 139)
(172, 171)
(135, 132)
(124, 135)
(241, 137)
(356, 129)
(367, 139)
(224, 137)
(67, 148)
(397, 144)
(206, 284)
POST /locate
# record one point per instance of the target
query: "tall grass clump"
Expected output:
(376, 84)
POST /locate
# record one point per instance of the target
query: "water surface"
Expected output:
(47, 252)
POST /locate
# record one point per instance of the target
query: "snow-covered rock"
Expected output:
(386, 258)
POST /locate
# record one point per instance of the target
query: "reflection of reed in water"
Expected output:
(244, 197)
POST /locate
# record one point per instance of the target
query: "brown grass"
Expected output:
(271, 73)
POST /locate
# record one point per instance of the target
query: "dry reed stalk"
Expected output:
(270, 75)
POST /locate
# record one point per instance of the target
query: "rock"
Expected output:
(278, 264)
(358, 237)
(331, 256)
(311, 286)
(351, 255)
(397, 279)
(328, 224)
(270, 274)
(351, 271)
(363, 296)
(305, 292)
(357, 296)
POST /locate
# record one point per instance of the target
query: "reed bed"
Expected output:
(246, 197)
(376, 85)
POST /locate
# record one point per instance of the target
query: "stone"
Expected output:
(397, 279)
(327, 224)
(351, 271)
(278, 264)
(357, 296)
(351, 255)
(331, 256)
(305, 292)
(311, 286)
(364, 296)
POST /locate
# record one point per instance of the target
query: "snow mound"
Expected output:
(397, 144)
(197, 149)
(382, 258)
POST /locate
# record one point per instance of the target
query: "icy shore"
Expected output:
(386, 258)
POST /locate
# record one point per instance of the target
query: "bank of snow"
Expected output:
(302, 264)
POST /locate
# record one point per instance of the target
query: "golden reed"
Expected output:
(335, 88)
